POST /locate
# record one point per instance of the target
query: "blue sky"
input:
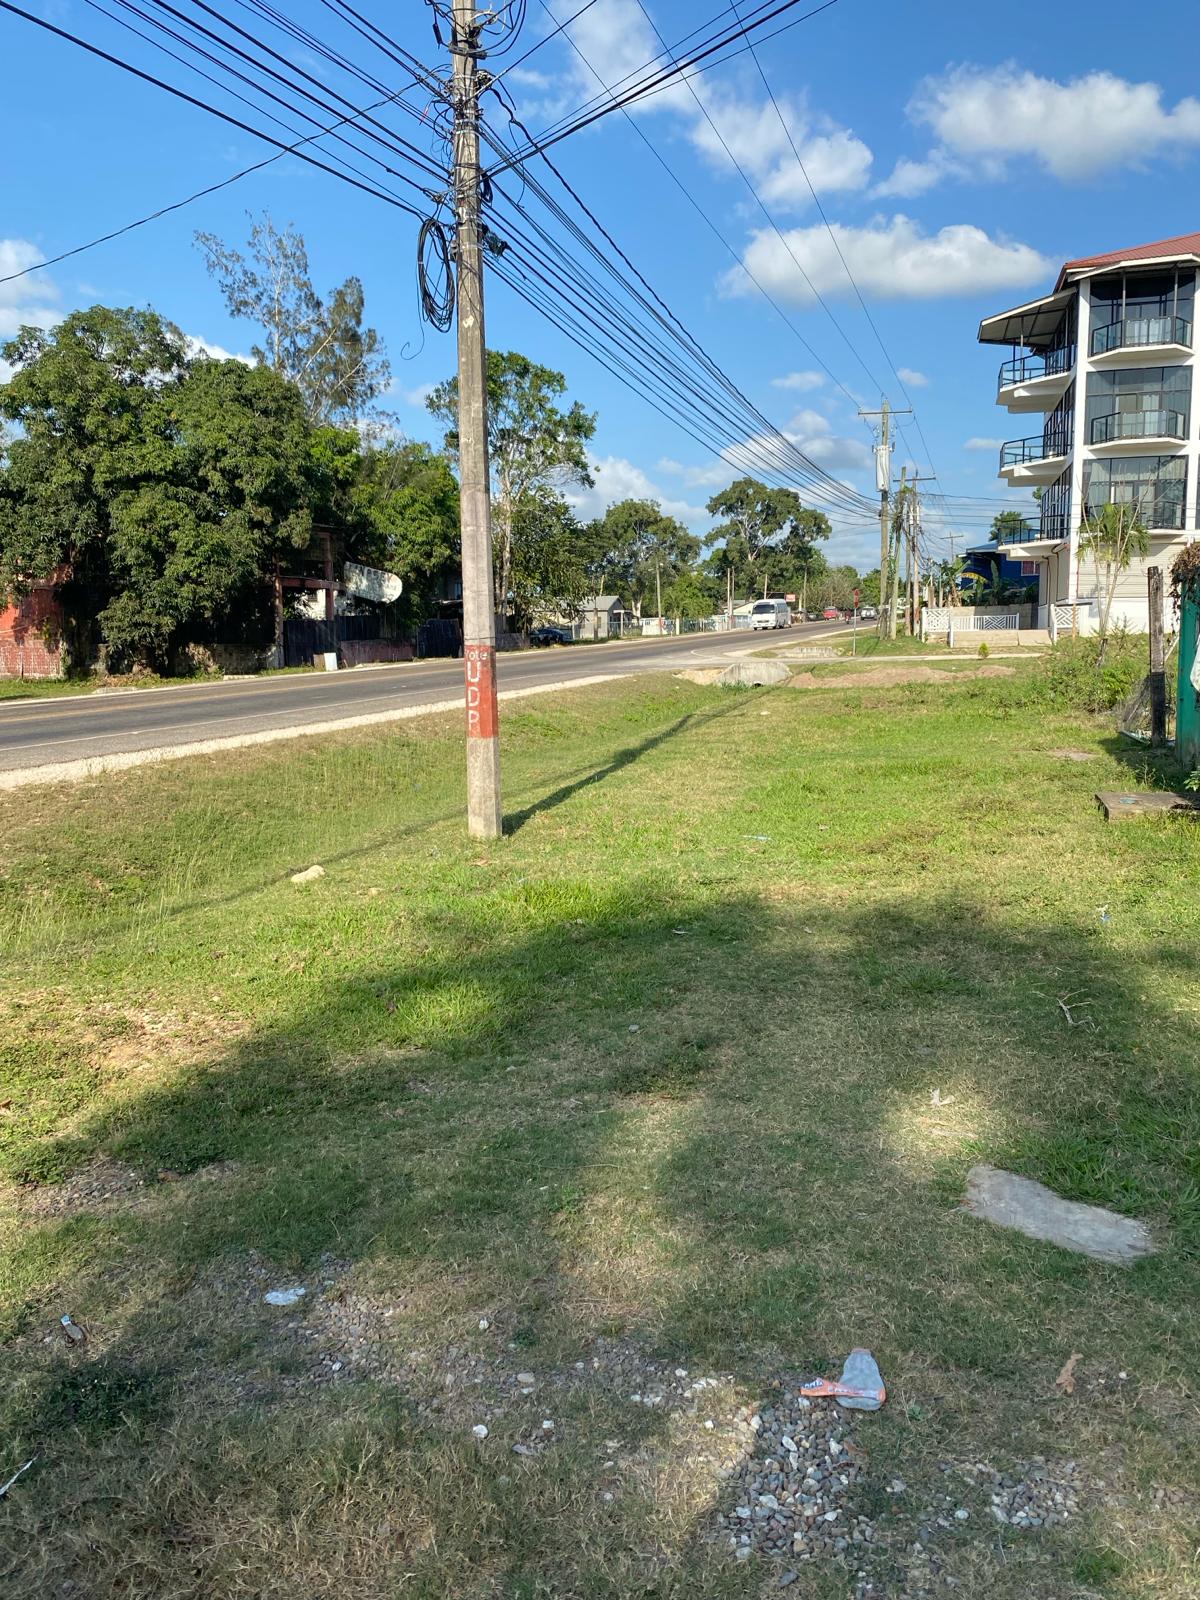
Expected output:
(958, 163)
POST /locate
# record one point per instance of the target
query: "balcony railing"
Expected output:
(1154, 511)
(1025, 369)
(1019, 532)
(1054, 525)
(1136, 331)
(1162, 424)
(1020, 452)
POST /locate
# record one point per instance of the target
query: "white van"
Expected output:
(771, 614)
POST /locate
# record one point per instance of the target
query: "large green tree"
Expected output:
(94, 431)
(160, 492)
(404, 505)
(767, 534)
(232, 505)
(338, 365)
(639, 552)
(534, 447)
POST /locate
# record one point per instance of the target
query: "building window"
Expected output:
(1056, 436)
(1056, 507)
(1155, 485)
(1140, 308)
(1138, 403)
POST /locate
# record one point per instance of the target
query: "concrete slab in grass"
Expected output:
(1039, 1213)
(1121, 807)
(754, 674)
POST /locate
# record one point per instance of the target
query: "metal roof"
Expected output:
(1032, 324)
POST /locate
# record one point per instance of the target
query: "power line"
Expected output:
(177, 205)
(545, 40)
(705, 218)
(639, 90)
(213, 111)
(784, 241)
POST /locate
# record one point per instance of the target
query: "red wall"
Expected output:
(31, 637)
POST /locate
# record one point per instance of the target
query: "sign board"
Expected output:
(370, 583)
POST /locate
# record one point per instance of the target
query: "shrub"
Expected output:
(1089, 674)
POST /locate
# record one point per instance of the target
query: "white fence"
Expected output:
(1068, 617)
(971, 619)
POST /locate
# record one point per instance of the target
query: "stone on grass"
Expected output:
(1039, 1213)
(754, 674)
(309, 875)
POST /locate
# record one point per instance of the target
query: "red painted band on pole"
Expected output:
(479, 665)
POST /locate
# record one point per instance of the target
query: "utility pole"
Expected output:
(484, 816)
(883, 482)
(894, 564)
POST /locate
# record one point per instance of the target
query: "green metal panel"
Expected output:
(1187, 717)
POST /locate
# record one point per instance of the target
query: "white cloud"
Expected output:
(977, 443)
(799, 380)
(30, 300)
(197, 346)
(1075, 129)
(618, 479)
(616, 40)
(909, 178)
(890, 258)
(913, 378)
(415, 397)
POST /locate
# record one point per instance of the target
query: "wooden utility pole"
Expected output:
(894, 599)
(883, 481)
(1158, 676)
(484, 817)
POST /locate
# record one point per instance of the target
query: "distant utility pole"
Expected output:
(883, 482)
(484, 816)
(914, 557)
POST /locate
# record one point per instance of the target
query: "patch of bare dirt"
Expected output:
(701, 675)
(1072, 755)
(101, 1186)
(886, 677)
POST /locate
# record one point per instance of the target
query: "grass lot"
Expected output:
(688, 1070)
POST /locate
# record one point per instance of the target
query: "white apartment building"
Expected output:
(1107, 361)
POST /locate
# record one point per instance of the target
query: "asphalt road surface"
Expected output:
(39, 733)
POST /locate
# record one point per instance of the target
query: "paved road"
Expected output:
(36, 733)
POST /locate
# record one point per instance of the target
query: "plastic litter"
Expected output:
(285, 1297)
(860, 1387)
(5, 1487)
(73, 1332)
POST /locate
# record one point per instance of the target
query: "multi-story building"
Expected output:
(1107, 361)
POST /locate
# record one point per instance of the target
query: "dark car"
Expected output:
(547, 634)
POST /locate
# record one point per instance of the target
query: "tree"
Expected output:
(1006, 525)
(836, 586)
(639, 552)
(1113, 537)
(533, 447)
(765, 530)
(89, 399)
(338, 365)
(690, 597)
(403, 507)
(161, 492)
(949, 576)
(550, 573)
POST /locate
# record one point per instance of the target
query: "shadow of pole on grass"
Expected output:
(799, 1215)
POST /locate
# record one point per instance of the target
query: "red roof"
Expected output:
(1186, 244)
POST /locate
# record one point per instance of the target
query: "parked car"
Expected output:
(868, 614)
(831, 614)
(771, 614)
(548, 634)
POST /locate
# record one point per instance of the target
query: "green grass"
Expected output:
(657, 1069)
